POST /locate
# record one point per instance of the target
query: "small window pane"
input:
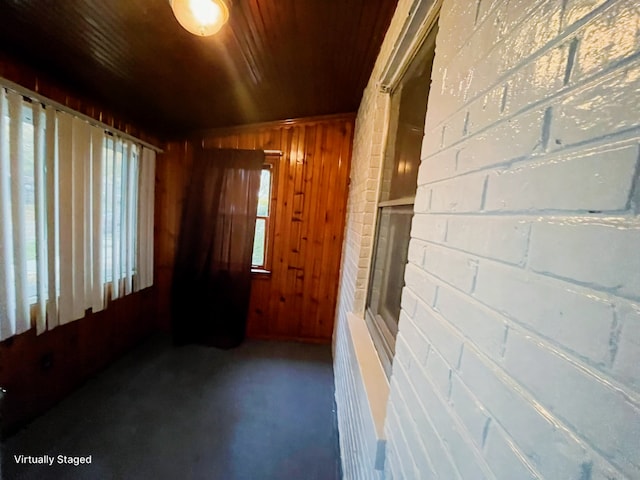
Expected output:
(107, 193)
(390, 258)
(29, 200)
(116, 268)
(264, 194)
(134, 204)
(258, 243)
(400, 174)
(404, 177)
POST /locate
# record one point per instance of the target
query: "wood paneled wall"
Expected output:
(172, 167)
(297, 299)
(38, 371)
(28, 78)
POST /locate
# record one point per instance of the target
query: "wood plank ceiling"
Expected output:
(275, 59)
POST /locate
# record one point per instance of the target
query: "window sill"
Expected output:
(376, 384)
(260, 273)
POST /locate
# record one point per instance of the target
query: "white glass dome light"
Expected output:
(201, 17)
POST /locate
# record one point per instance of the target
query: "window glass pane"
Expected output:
(390, 258)
(407, 160)
(120, 204)
(264, 195)
(133, 205)
(107, 194)
(29, 200)
(259, 242)
(409, 101)
(118, 166)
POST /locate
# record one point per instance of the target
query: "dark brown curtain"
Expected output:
(212, 276)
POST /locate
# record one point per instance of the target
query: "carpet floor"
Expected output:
(262, 411)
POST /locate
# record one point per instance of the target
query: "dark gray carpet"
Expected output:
(262, 411)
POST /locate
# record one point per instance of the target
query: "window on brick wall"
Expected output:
(396, 199)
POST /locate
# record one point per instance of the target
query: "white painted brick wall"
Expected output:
(601, 182)
(356, 433)
(583, 252)
(518, 353)
(550, 308)
(357, 430)
(625, 366)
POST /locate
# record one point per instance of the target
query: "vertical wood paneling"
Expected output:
(38, 371)
(297, 299)
(32, 80)
(171, 180)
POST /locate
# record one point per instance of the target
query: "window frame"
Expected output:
(382, 336)
(270, 164)
(31, 132)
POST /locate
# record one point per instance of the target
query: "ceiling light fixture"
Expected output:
(200, 17)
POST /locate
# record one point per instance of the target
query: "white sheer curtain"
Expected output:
(53, 225)
(146, 181)
(122, 206)
(76, 216)
(42, 143)
(14, 304)
(12, 312)
(96, 292)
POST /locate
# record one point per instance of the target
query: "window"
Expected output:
(119, 198)
(75, 210)
(396, 199)
(260, 261)
(29, 199)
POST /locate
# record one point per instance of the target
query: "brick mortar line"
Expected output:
(613, 141)
(541, 215)
(519, 266)
(634, 197)
(611, 291)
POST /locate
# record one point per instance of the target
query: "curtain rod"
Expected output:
(25, 92)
